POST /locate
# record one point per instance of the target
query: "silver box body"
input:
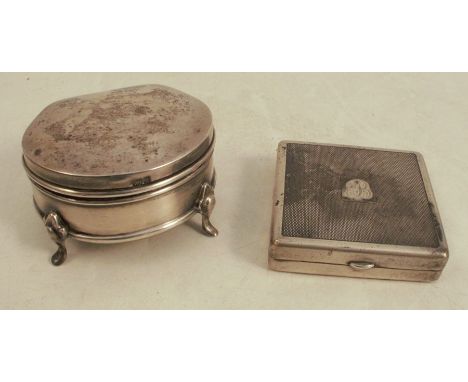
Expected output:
(121, 165)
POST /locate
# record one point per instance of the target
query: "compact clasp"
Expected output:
(361, 265)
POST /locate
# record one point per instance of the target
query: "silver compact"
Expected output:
(355, 212)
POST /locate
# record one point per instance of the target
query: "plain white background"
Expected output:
(214, 36)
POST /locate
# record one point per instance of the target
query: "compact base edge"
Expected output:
(346, 271)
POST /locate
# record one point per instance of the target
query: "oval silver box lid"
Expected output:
(118, 139)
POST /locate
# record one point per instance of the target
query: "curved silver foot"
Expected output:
(59, 256)
(58, 232)
(204, 206)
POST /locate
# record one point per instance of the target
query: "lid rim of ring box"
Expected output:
(185, 173)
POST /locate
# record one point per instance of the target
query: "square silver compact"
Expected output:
(355, 212)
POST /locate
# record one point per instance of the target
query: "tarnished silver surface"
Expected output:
(117, 139)
(121, 165)
(357, 212)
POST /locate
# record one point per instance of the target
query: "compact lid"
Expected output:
(117, 139)
(336, 204)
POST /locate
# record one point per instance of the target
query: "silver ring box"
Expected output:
(121, 165)
(356, 212)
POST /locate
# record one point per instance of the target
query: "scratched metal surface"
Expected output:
(394, 210)
(117, 132)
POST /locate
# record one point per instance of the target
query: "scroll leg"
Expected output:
(59, 257)
(204, 206)
(58, 232)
